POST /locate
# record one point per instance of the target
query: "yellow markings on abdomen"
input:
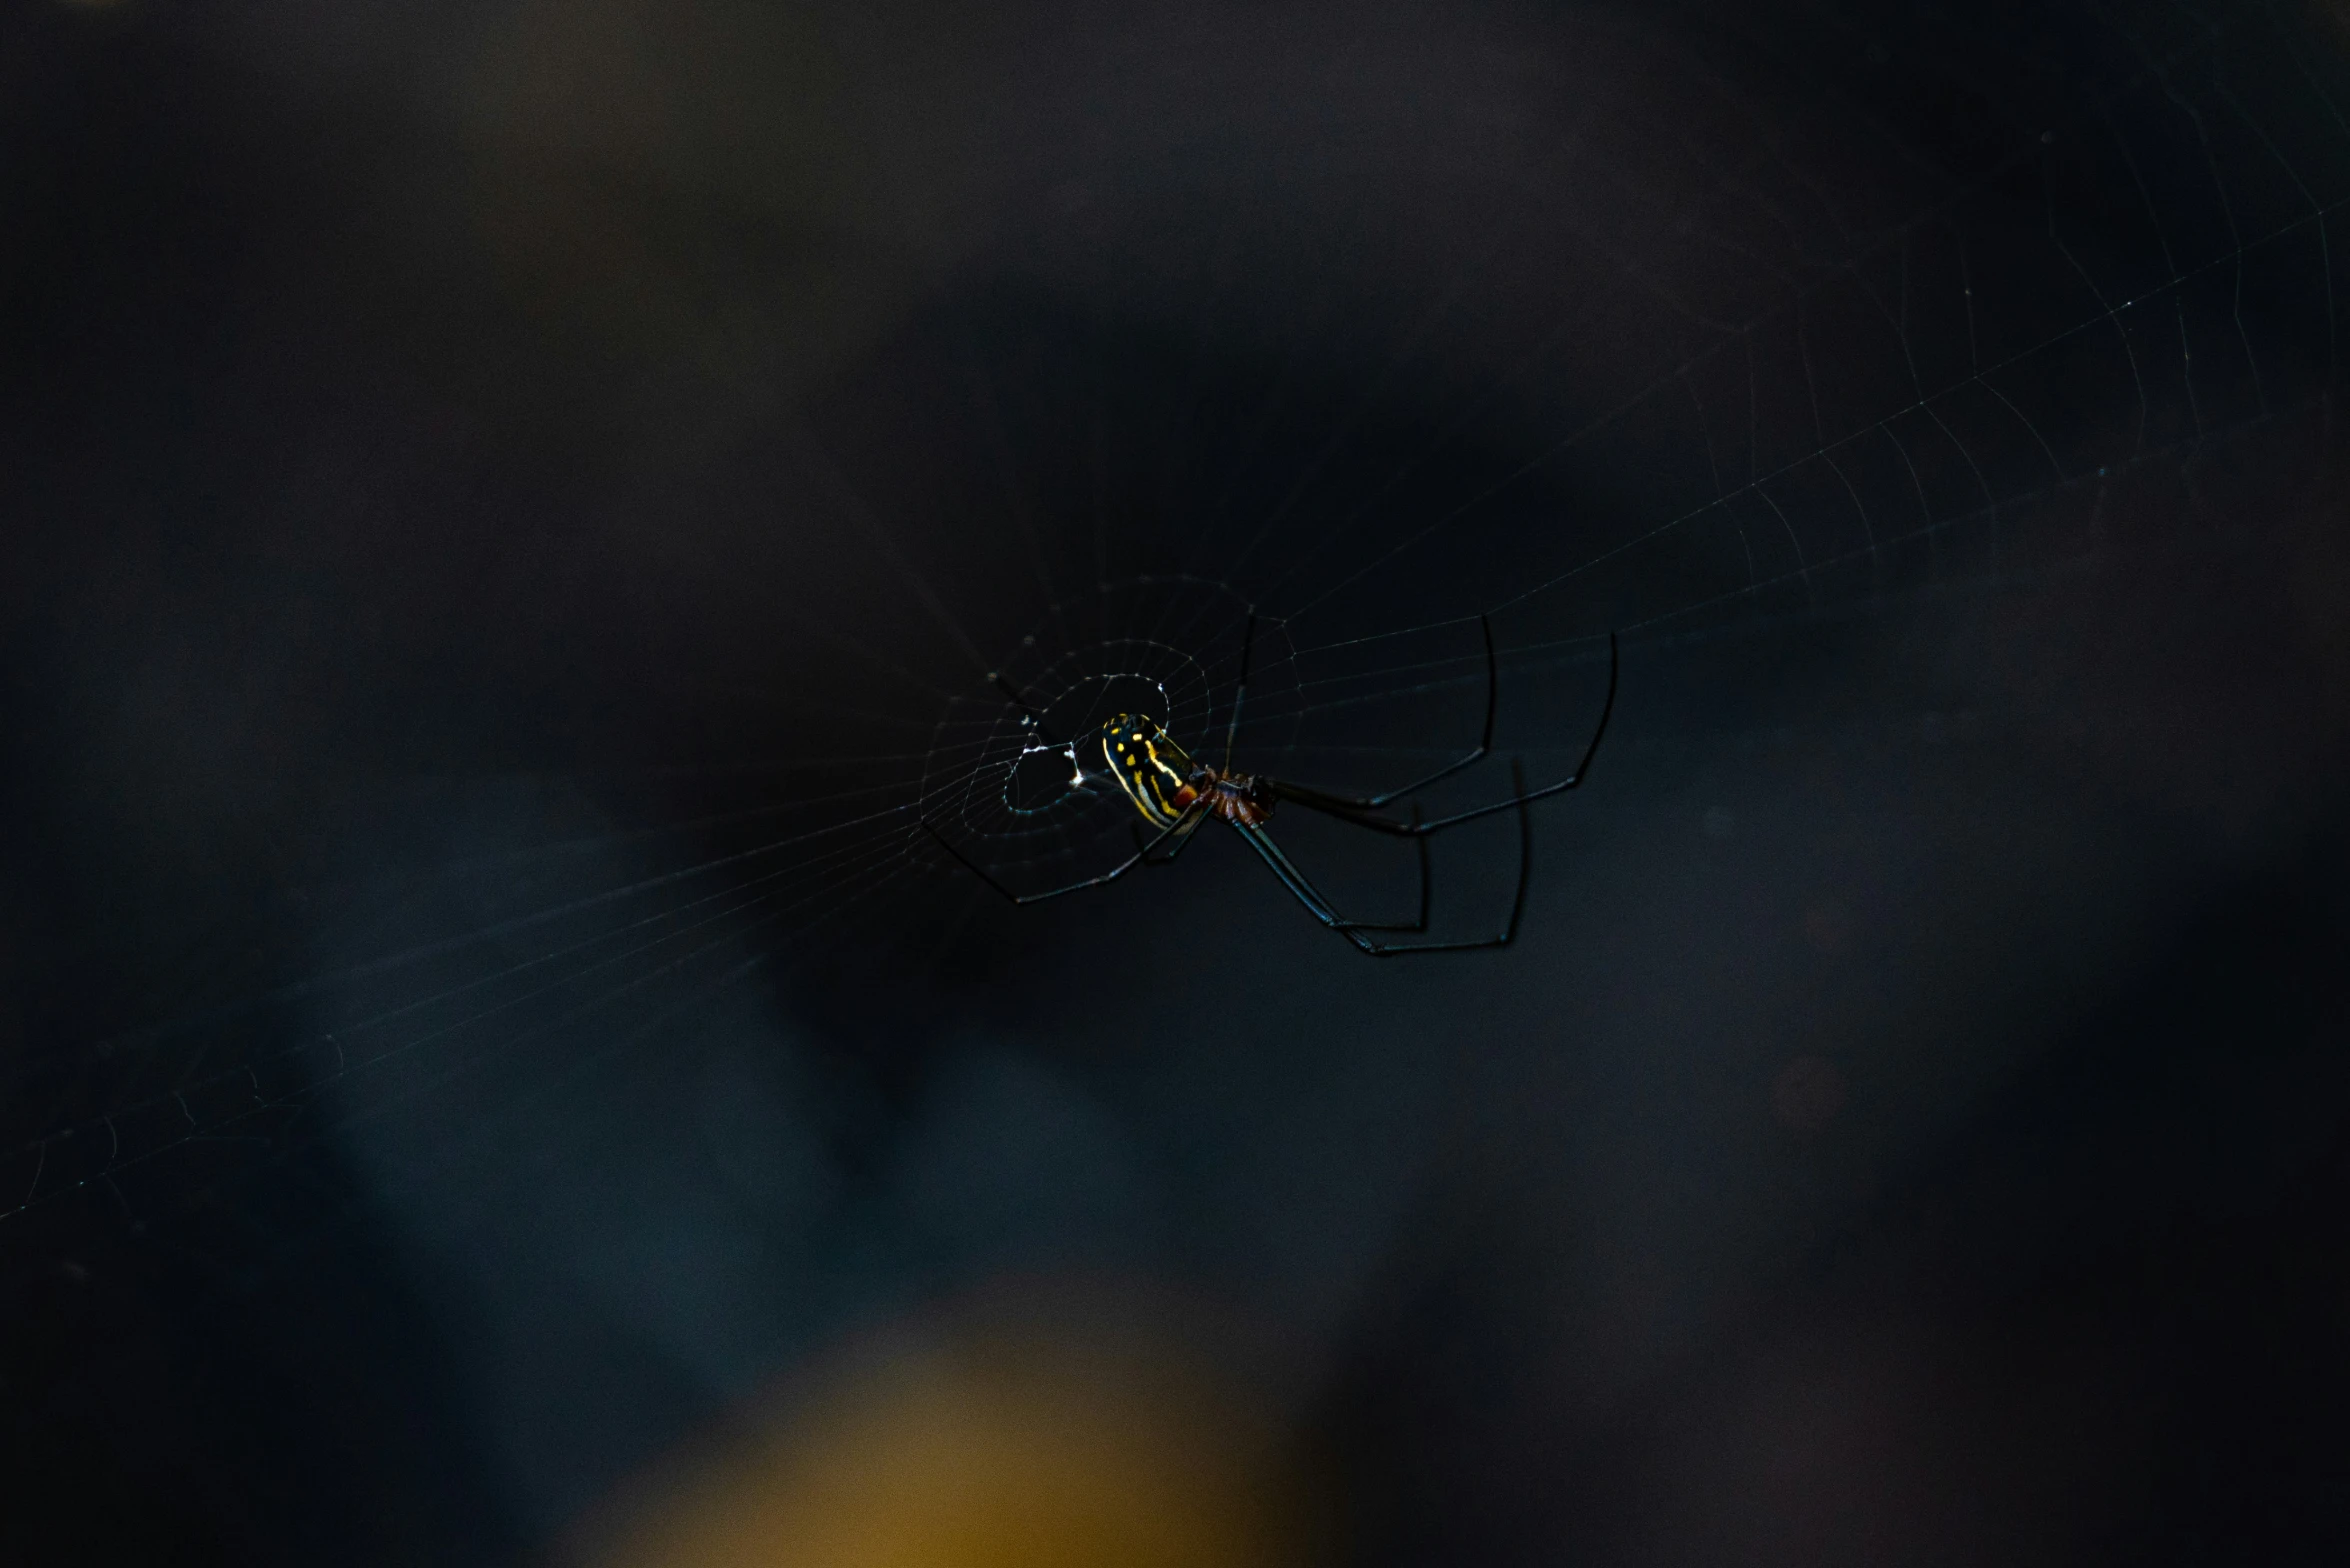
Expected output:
(1154, 780)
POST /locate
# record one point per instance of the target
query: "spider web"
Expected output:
(1766, 366)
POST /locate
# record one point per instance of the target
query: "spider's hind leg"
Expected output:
(1304, 891)
(1418, 923)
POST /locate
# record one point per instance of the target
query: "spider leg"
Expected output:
(1303, 890)
(1358, 813)
(1113, 874)
(1183, 836)
(1417, 923)
(1339, 805)
(1248, 649)
(1467, 760)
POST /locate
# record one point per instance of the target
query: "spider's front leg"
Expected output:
(1363, 812)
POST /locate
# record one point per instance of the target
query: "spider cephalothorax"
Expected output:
(1175, 795)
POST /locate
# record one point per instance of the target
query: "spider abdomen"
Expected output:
(1165, 784)
(1155, 773)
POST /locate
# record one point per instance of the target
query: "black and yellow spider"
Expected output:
(1175, 794)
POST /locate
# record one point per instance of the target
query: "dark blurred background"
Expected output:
(510, 512)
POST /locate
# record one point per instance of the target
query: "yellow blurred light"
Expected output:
(984, 1451)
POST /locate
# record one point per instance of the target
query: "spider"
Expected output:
(1175, 794)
